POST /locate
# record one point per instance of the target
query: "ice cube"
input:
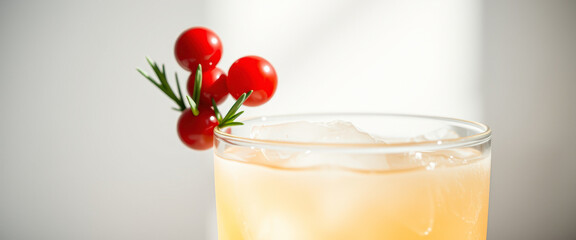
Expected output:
(316, 132)
(437, 135)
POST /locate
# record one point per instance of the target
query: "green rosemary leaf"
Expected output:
(231, 124)
(232, 114)
(216, 111)
(193, 106)
(235, 116)
(197, 84)
(235, 107)
(165, 83)
(162, 88)
(159, 73)
(181, 102)
(149, 78)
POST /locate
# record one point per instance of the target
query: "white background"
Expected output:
(88, 148)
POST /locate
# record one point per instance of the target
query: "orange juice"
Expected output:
(258, 202)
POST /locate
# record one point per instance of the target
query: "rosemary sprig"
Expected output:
(163, 84)
(233, 114)
(194, 101)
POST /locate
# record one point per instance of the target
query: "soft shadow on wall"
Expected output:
(530, 80)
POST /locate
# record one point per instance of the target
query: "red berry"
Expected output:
(213, 86)
(252, 73)
(198, 46)
(197, 132)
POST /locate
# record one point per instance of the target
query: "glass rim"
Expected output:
(471, 140)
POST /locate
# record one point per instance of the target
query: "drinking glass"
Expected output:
(314, 176)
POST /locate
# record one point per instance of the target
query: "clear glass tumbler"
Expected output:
(416, 177)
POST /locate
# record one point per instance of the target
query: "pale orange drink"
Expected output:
(364, 176)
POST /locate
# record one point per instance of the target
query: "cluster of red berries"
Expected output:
(251, 80)
(202, 47)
